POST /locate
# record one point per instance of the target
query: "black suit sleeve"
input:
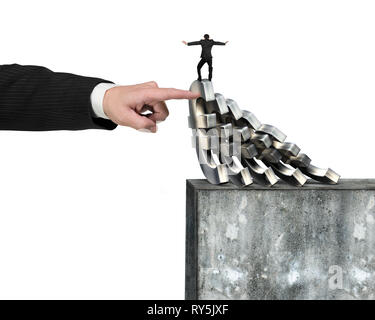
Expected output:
(34, 98)
(194, 43)
(218, 43)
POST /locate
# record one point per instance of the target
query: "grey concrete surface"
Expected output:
(284, 242)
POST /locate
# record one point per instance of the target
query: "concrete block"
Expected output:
(284, 242)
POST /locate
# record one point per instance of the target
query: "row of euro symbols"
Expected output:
(233, 145)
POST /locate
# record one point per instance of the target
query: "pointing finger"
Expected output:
(162, 94)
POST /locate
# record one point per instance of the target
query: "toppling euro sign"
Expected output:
(233, 145)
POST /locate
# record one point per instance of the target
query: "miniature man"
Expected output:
(206, 56)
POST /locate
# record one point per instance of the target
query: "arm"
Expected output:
(193, 43)
(218, 43)
(34, 98)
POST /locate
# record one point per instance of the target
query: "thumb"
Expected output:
(138, 122)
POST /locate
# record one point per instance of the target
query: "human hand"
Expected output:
(184, 42)
(125, 105)
(226, 42)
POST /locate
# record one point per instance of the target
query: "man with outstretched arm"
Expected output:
(206, 56)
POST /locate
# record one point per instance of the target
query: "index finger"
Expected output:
(162, 94)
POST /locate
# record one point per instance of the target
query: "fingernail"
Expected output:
(149, 130)
(145, 130)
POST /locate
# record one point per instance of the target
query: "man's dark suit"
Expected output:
(35, 98)
(206, 55)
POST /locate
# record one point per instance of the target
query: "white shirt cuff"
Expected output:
(97, 96)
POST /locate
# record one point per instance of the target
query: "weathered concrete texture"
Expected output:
(284, 242)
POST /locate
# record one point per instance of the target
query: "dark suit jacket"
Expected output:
(206, 46)
(35, 98)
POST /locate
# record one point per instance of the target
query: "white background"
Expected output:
(101, 214)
